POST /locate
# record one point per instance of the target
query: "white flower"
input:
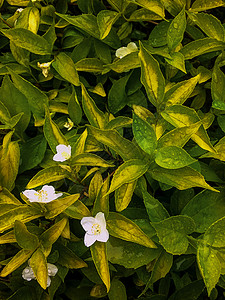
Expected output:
(95, 229)
(63, 153)
(19, 10)
(45, 195)
(45, 67)
(123, 51)
(28, 273)
(69, 124)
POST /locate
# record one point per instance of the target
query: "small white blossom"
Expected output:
(45, 195)
(19, 10)
(28, 273)
(45, 67)
(69, 124)
(123, 51)
(95, 229)
(63, 153)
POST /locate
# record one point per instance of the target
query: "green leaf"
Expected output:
(153, 6)
(64, 65)
(99, 256)
(190, 291)
(173, 157)
(28, 40)
(117, 290)
(151, 77)
(123, 228)
(90, 65)
(128, 254)
(172, 233)
(209, 266)
(102, 200)
(15, 102)
(47, 175)
(128, 172)
(9, 161)
(77, 210)
(144, 135)
(179, 116)
(126, 63)
(111, 138)
(8, 237)
(21, 213)
(88, 23)
(52, 133)
(89, 159)
(209, 24)
(177, 60)
(35, 97)
(202, 5)
(123, 195)
(24, 238)
(7, 198)
(20, 258)
(68, 258)
(95, 187)
(143, 14)
(178, 136)
(117, 98)
(93, 113)
(173, 6)
(205, 209)
(182, 179)
(201, 46)
(176, 30)
(156, 211)
(38, 264)
(51, 235)
(74, 109)
(58, 206)
(218, 85)
(105, 20)
(32, 153)
(214, 235)
(181, 91)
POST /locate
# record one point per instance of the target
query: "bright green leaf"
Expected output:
(123, 228)
(24, 238)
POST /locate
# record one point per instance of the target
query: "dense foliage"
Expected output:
(112, 122)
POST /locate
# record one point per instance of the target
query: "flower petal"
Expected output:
(89, 239)
(132, 47)
(103, 236)
(59, 157)
(28, 274)
(32, 195)
(121, 52)
(49, 189)
(52, 269)
(48, 281)
(87, 223)
(100, 218)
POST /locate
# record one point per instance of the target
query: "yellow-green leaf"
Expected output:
(128, 172)
(58, 206)
(65, 66)
(16, 262)
(23, 213)
(24, 238)
(52, 133)
(123, 228)
(47, 175)
(99, 256)
(9, 161)
(89, 159)
(123, 195)
(38, 264)
(151, 77)
(93, 113)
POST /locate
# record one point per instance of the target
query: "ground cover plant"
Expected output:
(112, 149)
